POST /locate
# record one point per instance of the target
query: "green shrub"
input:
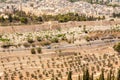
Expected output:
(39, 50)
(44, 43)
(33, 51)
(117, 47)
(5, 46)
(39, 39)
(33, 45)
(55, 40)
(30, 40)
(2, 39)
(87, 38)
(24, 20)
(26, 45)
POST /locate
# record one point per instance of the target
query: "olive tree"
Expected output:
(117, 47)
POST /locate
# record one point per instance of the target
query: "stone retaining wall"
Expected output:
(54, 25)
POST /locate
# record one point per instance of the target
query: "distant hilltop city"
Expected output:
(53, 7)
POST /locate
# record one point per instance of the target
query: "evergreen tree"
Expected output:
(118, 75)
(87, 75)
(108, 76)
(69, 76)
(92, 77)
(79, 77)
(56, 78)
(52, 78)
(2, 19)
(102, 76)
(113, 77)
(10, 18)
(84, 75)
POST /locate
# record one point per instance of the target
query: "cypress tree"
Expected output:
(113, 77)
(79, 77)
(84, 75)
(87, 75)
(52, 78)
(69, 76)
(108, 76)
(10, 18)
(102, 76)
(57, 78)
(92, 77)
(118, 75)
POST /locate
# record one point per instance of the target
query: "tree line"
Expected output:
(23, 18)
(116, 15)
(87, 76)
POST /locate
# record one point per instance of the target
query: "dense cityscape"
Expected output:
(60, 7)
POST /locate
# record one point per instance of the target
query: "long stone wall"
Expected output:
(54, 25)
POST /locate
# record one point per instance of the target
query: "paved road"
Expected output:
(70, 46)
